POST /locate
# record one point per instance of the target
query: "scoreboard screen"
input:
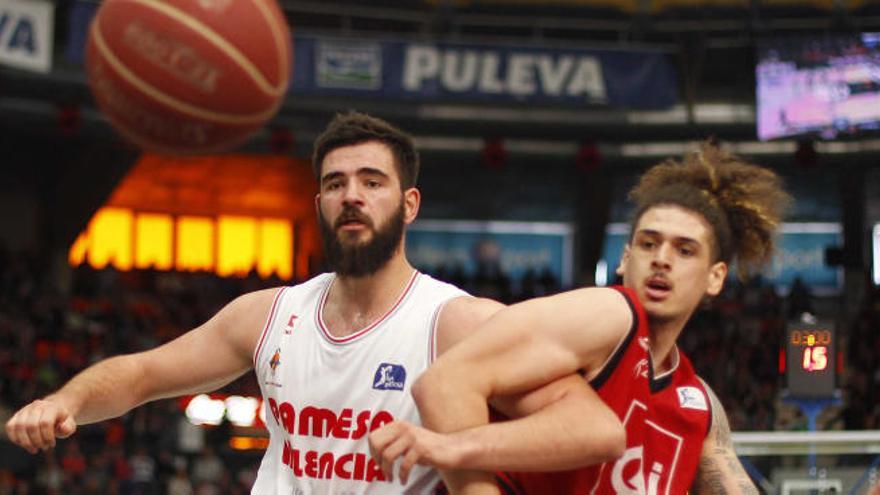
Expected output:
(810, 365)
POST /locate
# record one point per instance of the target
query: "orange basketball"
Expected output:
(188, 76)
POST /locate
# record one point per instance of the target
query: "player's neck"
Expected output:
(356, 302)
(663, 338)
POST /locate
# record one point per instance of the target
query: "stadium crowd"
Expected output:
(47, 336)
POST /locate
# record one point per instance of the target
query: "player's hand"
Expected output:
(413, 445)
(36, 426)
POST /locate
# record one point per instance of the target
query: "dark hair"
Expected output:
(354, 128)
(742, 202)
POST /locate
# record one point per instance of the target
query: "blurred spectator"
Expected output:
(548, 283)
(72, 461)
(733, 341)
(143, 471)
(800, 300)
(97, 478)
(7, 482)
(50, 477)
(207, 468)
(179, 483)
(190, 438)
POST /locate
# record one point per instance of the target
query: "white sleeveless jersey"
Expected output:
(323, 395)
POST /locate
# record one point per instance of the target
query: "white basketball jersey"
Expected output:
(324, 395)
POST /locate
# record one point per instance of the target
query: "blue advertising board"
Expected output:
(443, 71)
(516, 246)
(485, 72)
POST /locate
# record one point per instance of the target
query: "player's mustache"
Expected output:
(352, 214)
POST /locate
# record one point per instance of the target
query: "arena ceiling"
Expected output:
(711, 44)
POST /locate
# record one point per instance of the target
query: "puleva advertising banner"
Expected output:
(487, 72)
(26, 28)
(461, 72)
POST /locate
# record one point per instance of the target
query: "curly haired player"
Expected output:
(694, 217)
(741, 204)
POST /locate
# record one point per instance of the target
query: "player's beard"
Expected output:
(361, 259)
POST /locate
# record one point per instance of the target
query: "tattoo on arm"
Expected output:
(720, 471)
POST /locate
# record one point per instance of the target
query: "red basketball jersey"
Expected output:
(678, 421)
(623, 384)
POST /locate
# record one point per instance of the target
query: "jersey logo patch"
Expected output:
(692, 398)
(289, 328)
(274, 362)
(389, 377)
(641, 369)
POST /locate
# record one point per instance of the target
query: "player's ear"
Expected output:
(412, 199)
(624, 259)
(717, 275)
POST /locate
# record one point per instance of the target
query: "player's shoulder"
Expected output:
(596, 307)
(465, 307)
(260, 303)
(425, 282)
(315, 284)
(632, 300)
(460, 316)
(615, 294)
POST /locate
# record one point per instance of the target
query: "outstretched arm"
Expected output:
(518, 350)
(203, 359)
(720, 471)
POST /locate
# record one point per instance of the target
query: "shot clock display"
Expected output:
(810, 365)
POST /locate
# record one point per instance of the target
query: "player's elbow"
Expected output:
(440, 385)
(612, 434)
(603, 439)
(430, 389)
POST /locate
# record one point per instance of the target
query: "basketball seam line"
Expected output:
(176, 104)
(280, 42)
(214, 38)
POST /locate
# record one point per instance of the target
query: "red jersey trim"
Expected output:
(269, 320)
(613, 360)
(665, 379)
(508, 484)
(432, 337)
(344, 340)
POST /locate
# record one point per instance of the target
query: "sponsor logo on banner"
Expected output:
(26, 29)
(389, 377)
(347, 65)
(507, 72)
